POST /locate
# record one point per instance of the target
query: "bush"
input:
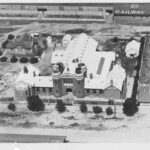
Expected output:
(115, 39)
(130, 107)
(10, 37)
(60, 106)
(83, 107)
(33, 60)
(14, 59)
(12, 107)
(109, 111)
(4, 44)
(23, 59)
(97, 109)
(1, 53)
(35, 103)
(3, 59)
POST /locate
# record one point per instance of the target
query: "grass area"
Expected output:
(4, 30)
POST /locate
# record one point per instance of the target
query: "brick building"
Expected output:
(81, 71)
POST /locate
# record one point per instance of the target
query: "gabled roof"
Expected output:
(23, 41)
(117, 76)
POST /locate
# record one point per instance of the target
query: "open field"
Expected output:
(76, 126)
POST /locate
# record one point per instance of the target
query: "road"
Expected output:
(27, 138)
(83, 136)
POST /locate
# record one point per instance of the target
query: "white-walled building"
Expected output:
(132, 49)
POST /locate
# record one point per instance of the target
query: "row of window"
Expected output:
(68, 80)
(94, 91)
(43, 89)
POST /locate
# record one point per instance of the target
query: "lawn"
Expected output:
(50, 118)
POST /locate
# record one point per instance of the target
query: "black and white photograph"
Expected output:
(74, 72)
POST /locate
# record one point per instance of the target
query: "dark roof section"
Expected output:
(25, 41)
(100, 65)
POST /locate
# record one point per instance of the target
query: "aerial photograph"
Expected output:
(74, 72)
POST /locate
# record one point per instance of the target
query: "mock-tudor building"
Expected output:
(21, 45)
(82, 71)
(25, 44)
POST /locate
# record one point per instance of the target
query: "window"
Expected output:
(94, 91)
(37, 89)
(71, 80)
(134, 6)
(44, 89)
(68, 80)
(80, 8)
(26, 93)
(55, 81)
(50, 89)
(57, 91)
(88, 91)
(101, 91)
(78, 82)
(79, 92)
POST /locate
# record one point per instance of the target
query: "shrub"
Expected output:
(3, 59)
(23, 59)
(10, 36)
(4, 44)
(83, 107)
(115, 39)
(60, 106)
(35, 103)
(97, 109)
(14, 59)
(109, 111)
(130, 107)
(1, 53)
(33, 60)
(12, 107)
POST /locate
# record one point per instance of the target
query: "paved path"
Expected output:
(24, 138)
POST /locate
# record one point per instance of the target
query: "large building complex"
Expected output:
(126, 13)
(80, 70)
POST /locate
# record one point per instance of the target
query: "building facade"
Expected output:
(81, 71)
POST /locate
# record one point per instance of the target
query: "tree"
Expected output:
(83, 107)
(14, 59)
(4, 44)
(130, 107)
(60, 106)
(97, 109)
(1, 53)
(3, 59)
(10, 37)
(23, 60)
(129, 65)
(115, 39)
(109, 111)
(35, 103)
(12, 107)
(33, 60)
